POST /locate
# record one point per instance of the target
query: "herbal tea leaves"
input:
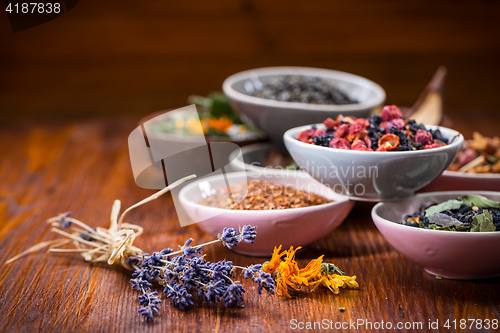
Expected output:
(444, 206)
(445, 220)
(479, 201)
(473, 213)
(482, 222)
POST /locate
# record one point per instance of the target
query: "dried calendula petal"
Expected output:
(389, 142)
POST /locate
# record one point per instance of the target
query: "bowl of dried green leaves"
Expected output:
(453, 235)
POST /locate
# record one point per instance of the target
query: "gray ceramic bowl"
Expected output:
(275, 117)
(369, 175)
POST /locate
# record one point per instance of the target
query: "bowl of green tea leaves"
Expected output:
(450, 234)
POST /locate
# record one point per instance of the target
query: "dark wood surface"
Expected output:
(83, 166)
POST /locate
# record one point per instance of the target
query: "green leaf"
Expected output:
(444, 206)
(479, 201)
(482, 222)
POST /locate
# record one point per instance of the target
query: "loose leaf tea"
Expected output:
(388, 131)
(473, 213)
(260, 195)
(479, 155)
(302, 89)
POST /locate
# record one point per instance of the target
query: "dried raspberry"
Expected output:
(342, 131)
(358, 145)
(389, 142)
(340, 143)
(434, 144)
(329, 123)
(363, 122)
(306, 135)
(365, 149)
(390, 112)
(423, 137)
(319, 132)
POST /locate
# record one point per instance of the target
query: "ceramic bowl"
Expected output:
(294, 226)
(456, 181)
(275, 117)
(369, 175)
(449, 254)
(253, 158)
(177, 153)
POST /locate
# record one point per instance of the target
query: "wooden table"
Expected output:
(83, 166)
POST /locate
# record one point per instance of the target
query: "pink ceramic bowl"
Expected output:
(461, 181)
(295, 226)
(449, 254)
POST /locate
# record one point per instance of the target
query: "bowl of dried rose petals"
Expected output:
(453, 234)
(288, 209)
(384, 157)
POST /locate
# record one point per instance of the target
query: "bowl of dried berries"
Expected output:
(383, 157)
(275, 99)
(453, 234)
(288, 209)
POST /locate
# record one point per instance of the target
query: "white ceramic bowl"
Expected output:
(449, 254)
(295, 226)
(275, 117)
(369, 175)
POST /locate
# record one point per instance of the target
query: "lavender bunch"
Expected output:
(186, 277)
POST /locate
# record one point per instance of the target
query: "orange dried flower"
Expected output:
(287, 274)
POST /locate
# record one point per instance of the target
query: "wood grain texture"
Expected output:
(49, 168)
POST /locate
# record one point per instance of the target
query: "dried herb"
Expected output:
(388, 131)
(300, 89)
(289, 277)
(260, 195)
(473, 213)
(185, 275)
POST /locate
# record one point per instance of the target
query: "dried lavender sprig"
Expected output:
(186, 276)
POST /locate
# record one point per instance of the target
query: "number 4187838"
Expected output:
(33, 8)
(471, 324)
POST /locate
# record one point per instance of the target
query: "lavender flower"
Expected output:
(179, 295)
(149, 302)
(233, 296)
(63, 221)
(186, 275)
(230, 237)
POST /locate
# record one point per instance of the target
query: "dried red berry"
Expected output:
(358, 145)
(390, 112)
(434, 144)
(319, 132)
(340, 143)
(329, 123)
(423, 137)
(389, 142)
(306, 135)
(342, 131)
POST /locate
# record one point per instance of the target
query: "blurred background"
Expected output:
(132, 58)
